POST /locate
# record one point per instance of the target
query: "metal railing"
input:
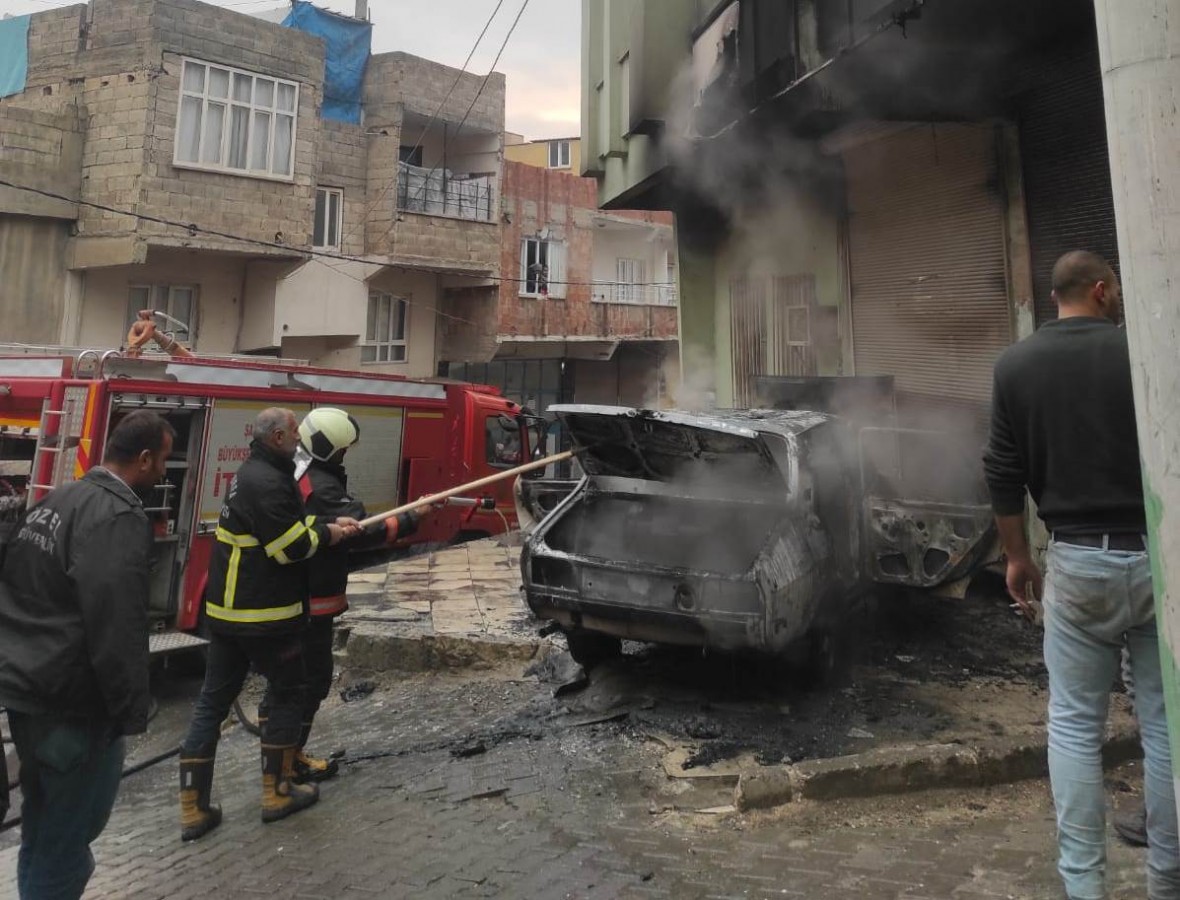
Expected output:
(439, 192)
(634, 294)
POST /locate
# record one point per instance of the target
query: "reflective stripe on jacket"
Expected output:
(258, 577)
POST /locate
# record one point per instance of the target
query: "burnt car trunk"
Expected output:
(690, 529)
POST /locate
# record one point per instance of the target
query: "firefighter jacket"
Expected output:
(74, 584)
(258, 577)
(324, 487)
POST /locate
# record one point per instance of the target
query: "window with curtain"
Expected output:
(385, 331)
(235, 121)
(542, 268)
(326, 230)
(177, 301)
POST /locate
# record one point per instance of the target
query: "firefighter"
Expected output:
(326, 435)
(256, 608)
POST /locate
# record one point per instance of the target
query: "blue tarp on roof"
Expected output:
(14, 55)
(348, 43)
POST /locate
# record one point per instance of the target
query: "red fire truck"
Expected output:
(417, 437)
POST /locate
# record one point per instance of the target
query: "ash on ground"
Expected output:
(915, 669)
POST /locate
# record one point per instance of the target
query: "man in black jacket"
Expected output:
(74, 652)
(256, 608)
(327, 434)
(1063, 431)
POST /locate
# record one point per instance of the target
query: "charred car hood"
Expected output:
(744, 446)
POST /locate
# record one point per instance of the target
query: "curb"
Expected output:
(896, 770)
(374, 650)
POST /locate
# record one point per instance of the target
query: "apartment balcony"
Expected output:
(440, 192)
(634, 294)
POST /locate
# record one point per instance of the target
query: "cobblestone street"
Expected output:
(482, 786)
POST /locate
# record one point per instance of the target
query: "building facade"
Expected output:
(213, 188)
(874, 188)
(586, 306)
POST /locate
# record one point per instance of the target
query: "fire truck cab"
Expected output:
(418, 437)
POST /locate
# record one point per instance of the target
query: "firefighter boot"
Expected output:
(197, 816)
(308, 768)
(281, 796)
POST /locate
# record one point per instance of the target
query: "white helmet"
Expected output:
(326, 431)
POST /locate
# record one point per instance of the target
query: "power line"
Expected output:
(426, 128)
(194, 229)
(470, 107)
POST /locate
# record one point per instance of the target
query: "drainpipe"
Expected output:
(1140, 68)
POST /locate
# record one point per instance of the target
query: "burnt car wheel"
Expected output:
(822, 658)
(589, 648)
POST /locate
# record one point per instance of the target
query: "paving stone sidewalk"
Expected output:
(468, 590)
(470, 788)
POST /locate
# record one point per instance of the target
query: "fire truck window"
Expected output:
(503, 444)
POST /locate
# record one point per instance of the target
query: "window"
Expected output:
(175, 301)
(559, 154)
(234, 121)
(385, 333)
(411, 155)
(329, 205)
(542, 268)
(503, 443)
(631, 275)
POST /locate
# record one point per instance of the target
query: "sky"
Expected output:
(541, 61)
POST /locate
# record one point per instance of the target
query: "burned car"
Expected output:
(734, 530)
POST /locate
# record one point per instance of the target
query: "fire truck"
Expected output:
(418, 437)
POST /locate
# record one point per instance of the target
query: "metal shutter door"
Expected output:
(1067, 190)
(927, 260)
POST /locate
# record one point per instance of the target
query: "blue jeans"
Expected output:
(1095, 600)
(69, 776)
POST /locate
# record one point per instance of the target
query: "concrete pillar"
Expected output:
(1139, 50)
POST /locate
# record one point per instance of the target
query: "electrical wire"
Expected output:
(433, 118)
(470, 107)
(193, 229)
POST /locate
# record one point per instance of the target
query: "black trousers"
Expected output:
(279, 660)
(319, 665)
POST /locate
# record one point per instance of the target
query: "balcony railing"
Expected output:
(439, 192)
(634, 294)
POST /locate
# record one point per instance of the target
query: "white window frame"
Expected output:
(631, 278)
(562, 155)
(330, 221)
(229, 105)
(163, 297)
(394, 348)
(555, 260)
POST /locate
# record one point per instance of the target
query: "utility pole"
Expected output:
(1140, 59)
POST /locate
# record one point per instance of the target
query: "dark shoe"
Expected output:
(1131, 826)
(197, 815)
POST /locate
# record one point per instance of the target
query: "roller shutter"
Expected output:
(927, 260)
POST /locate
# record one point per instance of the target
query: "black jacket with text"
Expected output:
(74, 589)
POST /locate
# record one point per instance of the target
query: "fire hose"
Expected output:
(443, 496)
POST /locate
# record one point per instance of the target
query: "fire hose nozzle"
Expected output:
(484, 503)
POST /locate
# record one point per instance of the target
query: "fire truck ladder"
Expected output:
(60, 442)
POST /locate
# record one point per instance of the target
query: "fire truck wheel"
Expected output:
(589, 648)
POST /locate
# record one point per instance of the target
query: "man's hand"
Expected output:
(342, 529)
(1024, 578)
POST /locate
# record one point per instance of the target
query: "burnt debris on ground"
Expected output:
(916, 669)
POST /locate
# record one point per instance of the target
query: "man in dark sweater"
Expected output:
(1063, 429)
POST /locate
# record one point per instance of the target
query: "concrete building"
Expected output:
(548, 153)
(586, 307)
(874, 188)
(157, 114)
